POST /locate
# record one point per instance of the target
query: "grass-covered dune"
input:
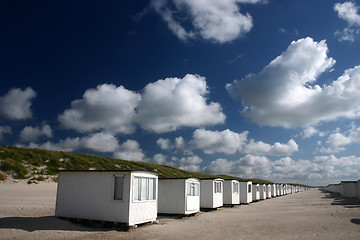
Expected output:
(39, 165)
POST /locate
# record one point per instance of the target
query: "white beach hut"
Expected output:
(349, 189)
(273, 190)
(278, 188)
(128, 197)
(268, 191)
(211, 193)
(256, 192)
(231, 192)
(246, 192)
(263, 191)
(179, 196)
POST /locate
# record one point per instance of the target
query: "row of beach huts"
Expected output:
(136, 197)
(347, 189)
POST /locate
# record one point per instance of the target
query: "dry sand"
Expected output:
(26, 212)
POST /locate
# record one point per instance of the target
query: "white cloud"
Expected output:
(192, 168)
(130, 150)
(213, 20)
(191, 160)
(348, 11)
(159, 159)
(284, 93)
(211, 142)
(108, 108)
(309, 132)
(31, 134)
(166, 105)
(4, 130)
(348, 34)
(248, 167)
(164, 144)
(16, 104)
(324, 169)
(337, 141)
(98, 142)
(277, 149)
(172, 103)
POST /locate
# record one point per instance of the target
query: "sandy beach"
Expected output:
(27, 212)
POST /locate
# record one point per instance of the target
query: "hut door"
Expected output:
(192, 196)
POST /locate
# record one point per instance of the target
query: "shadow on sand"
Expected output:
(31, 224)
(339, 200)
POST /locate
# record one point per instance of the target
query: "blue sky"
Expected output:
(251, 88)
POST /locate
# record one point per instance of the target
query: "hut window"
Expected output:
(217, 187)
(249, 188)
(144, 188)
(192, 189)
(235, 187)
(119, 188)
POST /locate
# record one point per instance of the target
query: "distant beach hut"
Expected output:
(256, 192)
(349, 189)
(268, 191)
(278, 188)
(211, 193)
(231, 192)
(246, 192)
(128, 197)
(273, 190)
(263, 191)
(179, 196)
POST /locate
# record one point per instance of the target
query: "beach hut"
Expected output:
(128, 197)
(246, 192)
(358, 189)
(263, 191)
(211, 193)
(256, 192)
(273, 190)
(179, 196)
(268, 191)
(231, 192)
(349, 189)
(278, 189)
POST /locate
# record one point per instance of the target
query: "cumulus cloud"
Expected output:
(98, 142)
(107, 108)
(130, 150)
(216, 21)
(211, 142)
(172, 103)
(309, 132)
(249, 166)
(164, 106)
(164, 144)
(160, 159)
(264, 149)
(4, 130)
(16, 104)
(31, 134)
(191, 163)
(228, 142)
(348, 11)
(337, 141)
(284, 92)
(323, 169)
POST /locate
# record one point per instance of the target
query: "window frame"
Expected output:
(140, 188)
(115, 187)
